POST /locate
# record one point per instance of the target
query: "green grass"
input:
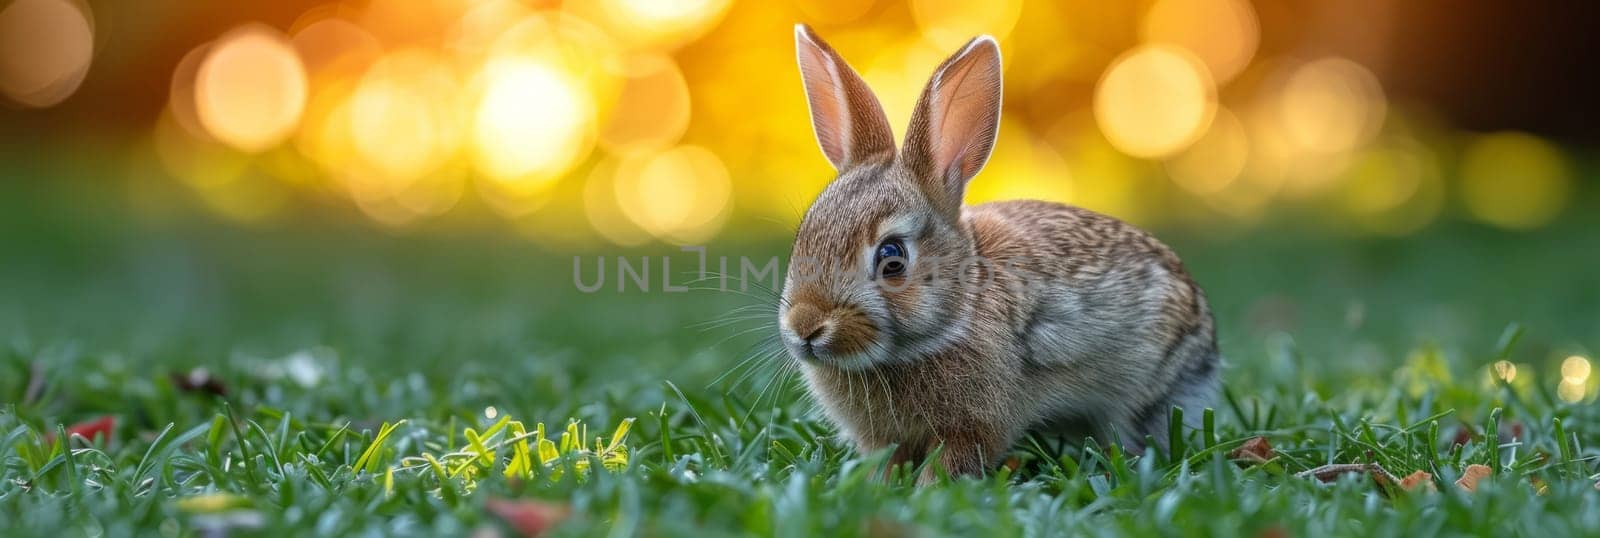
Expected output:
(1339, 350)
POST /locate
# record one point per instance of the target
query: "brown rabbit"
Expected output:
(923, 323)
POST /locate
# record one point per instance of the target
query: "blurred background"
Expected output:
(1372, 177)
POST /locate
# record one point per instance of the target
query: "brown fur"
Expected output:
(1074, 322)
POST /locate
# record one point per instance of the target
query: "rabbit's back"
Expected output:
(1109, 320)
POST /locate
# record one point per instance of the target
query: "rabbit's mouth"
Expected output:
(840, 337)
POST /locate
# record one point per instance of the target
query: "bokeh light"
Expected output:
(1331, 105)
(1222, 33)
(951, 23)
(1505, 371)
(405, 114)
(680, 195)
(1170, 109)
(531, 124)
(1214, 161)
(1393, 189)
(1514, 180)
(1575, 383)
(1575, 369)
(834, 11)
(1022, 166)
(652, 110)
(653, 24)
(250, 89)
(331, 44)
(1154, 101)
(45, 50)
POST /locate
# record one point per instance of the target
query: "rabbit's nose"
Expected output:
(807, 323)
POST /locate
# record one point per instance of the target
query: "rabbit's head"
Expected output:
(879, 257)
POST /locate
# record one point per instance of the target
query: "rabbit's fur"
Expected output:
(1011, 317)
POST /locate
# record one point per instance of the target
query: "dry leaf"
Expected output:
(1416, 480)
(1471, 475)
(90, 429)
(1332, 472)
(199, 380)
(528, 517)
(1256, 450)
(1012, 463)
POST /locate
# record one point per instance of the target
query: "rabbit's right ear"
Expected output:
(847, 118)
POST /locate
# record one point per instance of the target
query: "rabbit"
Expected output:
(932, 327)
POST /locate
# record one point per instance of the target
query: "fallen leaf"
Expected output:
(1012, 463)
(1332, 472)
(1471, 475)
(88, 429)
(1256, 450)
(1418, 479)
(199, 380)
(528, 517)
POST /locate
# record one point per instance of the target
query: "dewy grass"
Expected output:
(346, 386)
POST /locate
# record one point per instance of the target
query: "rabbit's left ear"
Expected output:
(956, 121)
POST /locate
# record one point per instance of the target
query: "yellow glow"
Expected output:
(653, 109)
(1575, 369)
(601, 209)
(1505, 371)
(897, 73)
(477, 30)
(180, 94)
(45, 50)
(1022, 167)
(1393, 189)
(1154, 101)
(653, 24)
(251, 89)
(1222, 33)
(199, 162)
(404, 117)
(834, 11)
(1514, 180)
(1331, 105)
(1216, 159)
(335, 44)
(951, 23)
(680, 195)
(1571, 391)
(532, 123)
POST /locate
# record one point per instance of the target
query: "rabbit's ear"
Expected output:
(848, 121)
(955, 123)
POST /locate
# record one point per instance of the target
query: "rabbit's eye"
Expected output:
(890, 260)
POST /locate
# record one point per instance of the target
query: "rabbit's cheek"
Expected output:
(853, 334)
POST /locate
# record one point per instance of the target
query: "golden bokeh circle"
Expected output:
(46, 47)
(1222, 33)
(681, 195)
(1154, 101)
(1330, 105)
(1214, 161)
(1514, 180)
(250, 89)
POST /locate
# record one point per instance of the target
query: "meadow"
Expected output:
(323, 377)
